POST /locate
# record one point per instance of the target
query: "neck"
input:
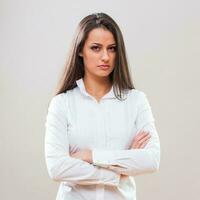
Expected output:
(97, 86)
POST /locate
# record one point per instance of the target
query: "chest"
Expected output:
(104, 125)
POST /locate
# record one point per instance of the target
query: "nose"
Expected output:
(105, 56)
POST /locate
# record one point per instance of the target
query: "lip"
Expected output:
(104, 66)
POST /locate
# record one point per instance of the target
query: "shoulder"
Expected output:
(139, 98)
(58, 101)
(59, 97)
(137, 94)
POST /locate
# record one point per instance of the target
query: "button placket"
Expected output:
(105, 113)
(104, 122)
(99, 138)
(102, 129)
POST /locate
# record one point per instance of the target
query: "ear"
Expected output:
(80, 54)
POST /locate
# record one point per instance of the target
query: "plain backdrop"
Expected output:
(162, 40)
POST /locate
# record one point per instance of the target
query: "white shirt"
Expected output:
(76, 120)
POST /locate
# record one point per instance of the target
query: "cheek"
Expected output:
(113, 57)
(90, 59)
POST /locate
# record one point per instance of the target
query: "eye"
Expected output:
(95, 48)
(112, 49)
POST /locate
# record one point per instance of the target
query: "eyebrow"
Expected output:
(114, 44)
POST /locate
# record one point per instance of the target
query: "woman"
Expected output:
(100, 130)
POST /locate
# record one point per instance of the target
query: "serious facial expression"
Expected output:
(98, 53)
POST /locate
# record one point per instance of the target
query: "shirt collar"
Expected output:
(81, 86)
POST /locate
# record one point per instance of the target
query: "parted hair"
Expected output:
(74, 67)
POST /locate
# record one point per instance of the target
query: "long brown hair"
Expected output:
(74, 68)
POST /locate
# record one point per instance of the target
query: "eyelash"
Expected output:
(96, 48)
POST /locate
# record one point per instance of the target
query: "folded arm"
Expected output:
(134, 161)
(61, 166)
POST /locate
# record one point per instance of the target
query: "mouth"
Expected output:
(104, 67)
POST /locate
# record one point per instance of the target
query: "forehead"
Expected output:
(100, 35)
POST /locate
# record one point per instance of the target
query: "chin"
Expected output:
(103, 74)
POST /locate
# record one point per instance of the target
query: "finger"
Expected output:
(144, 139)
(137, 139)
(144, 144)
(137, 144)
(141, 135)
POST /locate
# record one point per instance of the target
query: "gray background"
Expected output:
(162, 40)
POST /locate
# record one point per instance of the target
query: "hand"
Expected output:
(85, 155)
(140, 140)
